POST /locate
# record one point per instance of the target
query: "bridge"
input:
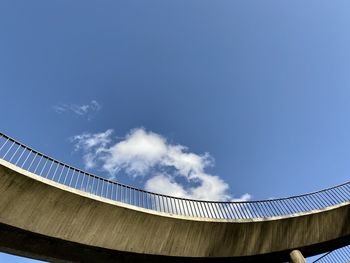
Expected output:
(52, 211)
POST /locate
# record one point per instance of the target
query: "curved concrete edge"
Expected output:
(31, 245)
(37, 207)
(149, 211)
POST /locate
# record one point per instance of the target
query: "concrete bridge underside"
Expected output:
(45, 220)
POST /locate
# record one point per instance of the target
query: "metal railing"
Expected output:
(341, 255)
(35, 162)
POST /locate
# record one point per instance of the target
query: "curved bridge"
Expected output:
(52, 211)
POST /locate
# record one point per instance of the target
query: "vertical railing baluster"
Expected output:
(87, 187)
(58, 166)
(162, 203)
(19, 158)
(59, 177)
(48, 172)
(271, 208)
(154, 202)
(98, 184)
(178, 210)
(43, 166)
(339, 191)
(253, 210)
(36, 168)
(331, 199)
(243, 210)
(102, 183)
(184, 205)
(318, 200)
(233, 207)
(107, 190)
(191, 209)
(181, 207)
(173, 204)
(304, 204)
(71, 178)
(117, 191)
(36, 154)
(13, 155)
(198, 210)
(113, 186)
(4, 144)
(224, 208)
(167, 204)
(129, 195)
(93, 185)
(229, 208)
(145, 199)
(22, 166)
(219, 209)
(67, 173)
(158, 202)
(8, 150)
(326, 202)
(82, 181)
(133, 196)
(103, 188)
(111, 190)
(77, 180)
(206, 209)
(139, 198)
(227, 205)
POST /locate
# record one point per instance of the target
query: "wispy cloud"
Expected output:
(87, 110)
(167, 168)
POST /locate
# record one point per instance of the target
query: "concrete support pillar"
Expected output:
(296, 257)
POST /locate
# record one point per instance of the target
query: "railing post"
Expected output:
(296, 257)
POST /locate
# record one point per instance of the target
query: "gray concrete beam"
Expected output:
(35, 205)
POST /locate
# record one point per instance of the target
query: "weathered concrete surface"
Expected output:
(38, 210)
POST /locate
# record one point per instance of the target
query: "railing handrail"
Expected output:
(333, 193)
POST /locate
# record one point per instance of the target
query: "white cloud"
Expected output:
(211, 188)
(167, 168)
(137, 153)
(88, 141)
(92, 145)
(165, 184)
(80, 110)
(244, 197)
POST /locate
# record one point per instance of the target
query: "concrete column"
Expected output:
(296, 257)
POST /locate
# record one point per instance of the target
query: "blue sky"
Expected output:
(262, 87)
